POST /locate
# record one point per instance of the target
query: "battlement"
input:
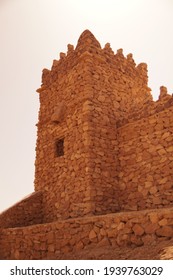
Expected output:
(89, 53)
(149, 108)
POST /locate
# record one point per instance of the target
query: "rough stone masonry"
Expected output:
(104, 159)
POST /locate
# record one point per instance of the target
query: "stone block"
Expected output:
(166, 231)
(150, 228)
(163, 222)
(59, 112)
(136, 240)
(149, 239)
(79, 245)
(138, 230)
(153, 190)
(92, 236)
(104, 242)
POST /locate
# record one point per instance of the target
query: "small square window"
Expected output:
(59, 146)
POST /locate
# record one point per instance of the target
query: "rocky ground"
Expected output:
(163, 250)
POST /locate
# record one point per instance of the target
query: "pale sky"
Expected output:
(34, 32)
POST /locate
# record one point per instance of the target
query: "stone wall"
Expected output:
(24, 213)
(146, 162)
(56, 240)
(148, 108)
(63, 180)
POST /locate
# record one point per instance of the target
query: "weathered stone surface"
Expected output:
(104, 242)
(138, 230)
(166, 231)
(150, 228)
(79, 246)
(136, 240)
(43, 241)
(59, 113)
(153, 217)
(163, 222)
(149, 239)
(28, 211)
(92, 235)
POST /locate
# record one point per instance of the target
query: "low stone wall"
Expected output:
(55, 240)
(24, 213)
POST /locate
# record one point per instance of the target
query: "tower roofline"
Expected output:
(87, 40)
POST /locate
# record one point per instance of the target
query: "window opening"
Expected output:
(59, 147)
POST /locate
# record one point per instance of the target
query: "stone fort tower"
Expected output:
(81, 148)
(82, 99)
(103, 146)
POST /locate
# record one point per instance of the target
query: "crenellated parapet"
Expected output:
(89, 50)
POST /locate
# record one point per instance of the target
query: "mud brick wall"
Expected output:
(146, 162)
(24, 213)
(56, 240)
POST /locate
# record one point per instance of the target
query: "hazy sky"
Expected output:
(34, 32)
